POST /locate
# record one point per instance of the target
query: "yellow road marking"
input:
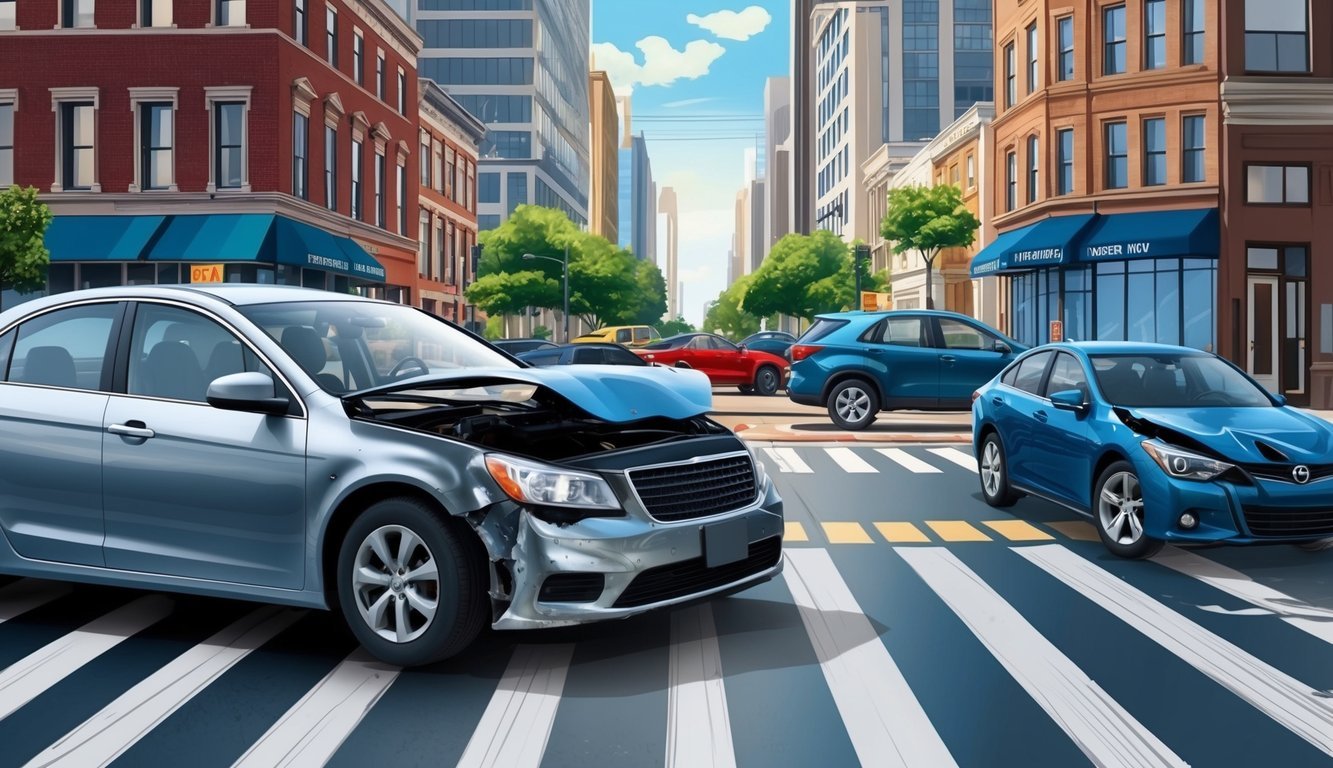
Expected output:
(956, 530)
(846, 533)
(1018, 530)
(1079, 530)
(792, 531)
(901, 533)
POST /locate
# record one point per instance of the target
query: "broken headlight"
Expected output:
(1183, 464)
(542, 485)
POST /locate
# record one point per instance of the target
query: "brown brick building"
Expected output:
(276, 139)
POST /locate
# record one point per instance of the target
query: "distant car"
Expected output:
(856, 364)
(772, 342)
(519, 346)
(726, 364)
(583, 354)
(625, 335)
(1156, 444)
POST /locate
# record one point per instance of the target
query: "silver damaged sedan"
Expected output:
(317, 449)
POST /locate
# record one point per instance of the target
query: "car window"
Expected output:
(64, 348)
(723, 345)
(1010, 376)
(623, 336)
(822, 327)
(898, 331)
(959, 335)
(6, 348)
(1066, 374)
(1030, 372)
(622, 357)
(642, 334)
(589, 356)
(542, 357)
(698, 342)
(1175, 380)
(176, 354)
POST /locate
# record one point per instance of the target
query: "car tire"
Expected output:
(375, 596)
(853, 404)
(746, 389)
(1318, 545)
(1120, 525)
(993, 469)
(766, 381)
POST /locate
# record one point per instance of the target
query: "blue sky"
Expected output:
(695, 71)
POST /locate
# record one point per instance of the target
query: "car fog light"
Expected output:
(1188, 520)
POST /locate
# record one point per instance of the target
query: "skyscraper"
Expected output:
(603, 191)
(669, 208)
(777, 171)
(638, 199)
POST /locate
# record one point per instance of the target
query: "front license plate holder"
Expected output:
(726, 542)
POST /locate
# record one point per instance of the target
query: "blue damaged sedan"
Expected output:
(1156, 444)
(316, 449)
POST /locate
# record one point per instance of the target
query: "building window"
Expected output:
(1011, 181)
(75, 13)
(1010, 77)
(330, 167)
(77, 144)
(423, 156)
(229, 158)
(1275, 36)
(1033, 157)
(1277, 184)
(1113, 39)
(231, 13)
(381, 219)
(402, 200)
(1192, 142)
(423, 241)
(1191, 51)
(331, 36)
(1066, 160)
(1064, 27)
(1154, 152)
(359, 58)
(358, 158)
(299, 22)
(971, 172)
(6, 145)
(1032, 56)
(1154, 34)
(156, 136)
(437, 252)
(152, 13)
(301, 156)
(9, 15)
(402, 92)
(437, 166)
(379, 76)
(1117, 156)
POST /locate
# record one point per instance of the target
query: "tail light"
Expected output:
(975, 395)
(802, 351)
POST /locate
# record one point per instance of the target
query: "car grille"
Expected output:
(1282, 472)
(689, 577)
(1289, 521)
(690, 491)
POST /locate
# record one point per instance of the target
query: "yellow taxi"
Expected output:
(625, 335)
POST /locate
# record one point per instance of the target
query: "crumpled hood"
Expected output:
(616, 393)
(1232, 432)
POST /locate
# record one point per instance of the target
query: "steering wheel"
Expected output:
(400, 368)
(1218, 398)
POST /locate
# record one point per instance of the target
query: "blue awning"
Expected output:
(303, 245)
(100, 238)
(1153, 235)
(265, 238)
(1049, 242)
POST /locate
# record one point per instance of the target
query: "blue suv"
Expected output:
(856, 364)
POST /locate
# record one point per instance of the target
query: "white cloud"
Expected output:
(733, 25)
(688, 102)
(662, 64)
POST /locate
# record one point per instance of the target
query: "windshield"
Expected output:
(353, 345)
(1175, 381)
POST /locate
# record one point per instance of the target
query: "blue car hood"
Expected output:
(1233, 432)
(615, 393)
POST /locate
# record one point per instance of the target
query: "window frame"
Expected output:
(13, 5)
(69, 14)
(1276, 35)
(1011, 181)
(9, 99)
(148, 9)
(971, 170)
(359, 57)
(1034, 168)
(1066, 55)
(1046, 356)
(358, 192)
(381, 84)
(300, 155)
(106, 380)
(330, 166)
(1010, 76)
(143, 142)
(331, 35)
(1033, 43)
(1186, 151)
(401, 199)
(1065, 161)
(1286, 169)
(381, 173)
(1150, 63)
(1109, 156)
(402, 92)
(1110, 44)
(69, 150)
(1188, 31)
(1149, 153)
(219, 6)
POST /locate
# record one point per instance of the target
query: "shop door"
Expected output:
(1262, 361)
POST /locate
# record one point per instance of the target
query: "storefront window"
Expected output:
(168, 274)
(1198, 287)
(1078, 307)
(1111, 301)
(99, 275)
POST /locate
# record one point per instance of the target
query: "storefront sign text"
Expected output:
(1039, 256)
(206, 273)
(1118, 249)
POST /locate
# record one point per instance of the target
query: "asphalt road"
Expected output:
(913, 625)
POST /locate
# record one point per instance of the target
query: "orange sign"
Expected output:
(1057, 331)
(869, 301)
(207, 273)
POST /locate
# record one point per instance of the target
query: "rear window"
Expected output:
(821, 328)
(1030, 372)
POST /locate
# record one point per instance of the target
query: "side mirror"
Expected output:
(1069, 400)
(1281, 400)
(253, 392)
(1002, 347)
(743, 349)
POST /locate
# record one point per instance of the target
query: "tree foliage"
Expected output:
(928, 220)
(673, 327)
(726, 315)
(23, 253)
(807, 275)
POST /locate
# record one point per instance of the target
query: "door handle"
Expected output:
(1040, 416)
(948, 358)
(132, 429)
(997, 401)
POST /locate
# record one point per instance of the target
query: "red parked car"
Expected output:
(726, 364)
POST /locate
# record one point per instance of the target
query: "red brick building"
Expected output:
(273, 138)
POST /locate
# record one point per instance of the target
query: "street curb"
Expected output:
(785, 433)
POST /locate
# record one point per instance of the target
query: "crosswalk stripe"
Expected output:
(849, 461)
(112, 731)
(28, 678)
(788, 461)
(1104, 730)
(1018, 530)
(313, 729)
(901, 532)
(516, 725)
(26, 594)
(1311, 619)
(956, 530)
(793, 531)
(1283, 698)
(964, 460)
(698, 724)
(884, 720)
(846, 533)
(908, 461)
(1078, 530)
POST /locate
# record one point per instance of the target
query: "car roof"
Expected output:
(231, 293)
(1124, 348)
(857, 313)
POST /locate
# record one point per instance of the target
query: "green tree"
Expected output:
(23, 253)
(673, 327)
(650, 295)
(726, 315)
(603, 282)
(509, 293)
(928, 220)
(804, 275)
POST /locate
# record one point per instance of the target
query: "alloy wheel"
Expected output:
(1120, 508)
(853, 404)
(396, 583)
(991, 469)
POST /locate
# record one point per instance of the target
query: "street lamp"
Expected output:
(564, 274)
